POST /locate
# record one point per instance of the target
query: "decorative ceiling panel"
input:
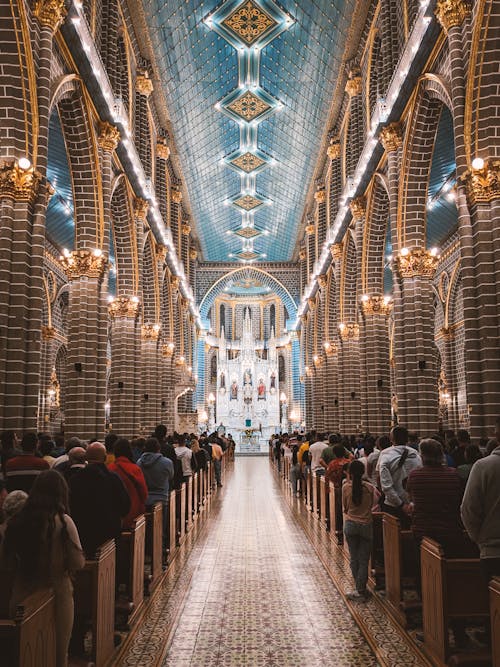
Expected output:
(200, 46)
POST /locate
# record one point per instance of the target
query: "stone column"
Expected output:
(150, 377)
(108, 139)
(356, 126)
(303, 269)
(87, 341)
(175, 221)
(142, 135)
(310, 247)
(167, 386)
(123, 384)
(349, 398)
(333, 152)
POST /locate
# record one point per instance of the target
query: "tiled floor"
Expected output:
(258, 594)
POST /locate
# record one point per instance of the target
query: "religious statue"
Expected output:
(234, 391)
(273, 380)
(221, 429)
(261, 390)
(247, 393)
(247, 377)
(222, 381)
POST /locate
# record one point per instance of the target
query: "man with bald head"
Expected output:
(77, 460)
(98, 500)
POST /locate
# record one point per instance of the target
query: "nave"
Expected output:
(253, 591)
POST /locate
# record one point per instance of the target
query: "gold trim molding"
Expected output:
(144, 85)
(18, 184)
(376, 305)
(176, 196)
(193, 254)
(124, 306)
(50, 13)
(336, 251)
(320, 196)
(162, 150)
(417, 262)
(353, 86)
(167, 349)
(84, 263)
(333, 150)
(186, 229)
(109, 136)
(48, 333)
(161, 252)
(150, 332)
(302, 254)
(349, 331)
(483, 185)
(451, 13)
(358, 208)
(310, 230)
(390, 137)
(322, 280)
(141, 207)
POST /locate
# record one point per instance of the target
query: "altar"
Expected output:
(247, 388)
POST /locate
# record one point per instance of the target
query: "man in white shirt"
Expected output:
(315, 452)
(184, 455)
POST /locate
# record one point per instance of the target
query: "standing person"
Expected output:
(358, 498)
(133, 480)
(98, 501)
(316, 453)
(199, 454)
(481, 511)
(159, 473)
(109, 442)
(166, 448)
(472, 454)
(395, 464)
(22, 470)
(217, 455)
(185, 456)
(295, 473)
(42, 545)
(335, 471)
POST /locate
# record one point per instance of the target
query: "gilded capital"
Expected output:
(162, 150)
(312, 303)
(483, 185)
(175, 281)
(50, 13)
(84, 263)
(18, 184)
(161, 252)
(349, 331)
(141, 207)
(48, 333)
(150, 332)
(167, 349)
(451, 13)
(186, 229)
(50, 191)
(333, 150)
(330, 348)
(336, 251)
(353, 86)
(124, 306)
(376, 305)
(310, 230)
(193, 254)
(176, 196)
(109, 136)
(358, 208)
(390, 137)
(320, 196)
(144, 85)
(302, 253)
(417, 262)
(447, 333)
(322, 280)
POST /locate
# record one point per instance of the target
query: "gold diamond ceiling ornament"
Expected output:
(248, 162)
(247, 232)
(247, 255)
(248, 106)
(249, 22)
(248, 202)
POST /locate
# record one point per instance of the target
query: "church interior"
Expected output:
(256, 244)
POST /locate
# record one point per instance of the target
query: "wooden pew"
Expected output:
(27, 638)
(189, 504)
(196, 488)
(377, 573)
(323, 503)
(335, 511)
(451, 588)
(172, 525)
(495, 619)
(180, 514)
(130, 569)
(94, 593)
(154, 547)
(400, 564)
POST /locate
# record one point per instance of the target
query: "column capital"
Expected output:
(161, 252)
(336, 251)
(333, 150)
(144, 85)
(162, 150)
(84, 264)
(376, 304)
(330, 348)
(50, 13)
(390, 137)
(322, 280)
(302, 253)
(175, 281)
(124, 306)
(141, 207)
(451, 13)
(349, 331)
(150, 332)
(109, 136)
(186, 229)
(193, 254)
(311, 302)
(358, 208)
(176, 196)
(17, 183)
(483, 185)
(310, 229)
(167, 349)
(353, 85)
(48, 333)
(417, 262)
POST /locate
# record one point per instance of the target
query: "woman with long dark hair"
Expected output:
(43, 549)
(358, 498)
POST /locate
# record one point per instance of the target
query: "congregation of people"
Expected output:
(60, 500)
(444, 487)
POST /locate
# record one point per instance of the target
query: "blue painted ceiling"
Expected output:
(199, 69)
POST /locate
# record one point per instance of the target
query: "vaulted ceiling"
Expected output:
(249, 84)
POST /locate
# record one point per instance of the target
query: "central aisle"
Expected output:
(259, 595)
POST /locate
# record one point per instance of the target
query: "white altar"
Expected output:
(247, 387)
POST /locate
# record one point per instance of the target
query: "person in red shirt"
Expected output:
(335, 470)
(22, 470)
(132, 478)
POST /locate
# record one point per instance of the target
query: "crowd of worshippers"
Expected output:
(61, 500)
(438, 487)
